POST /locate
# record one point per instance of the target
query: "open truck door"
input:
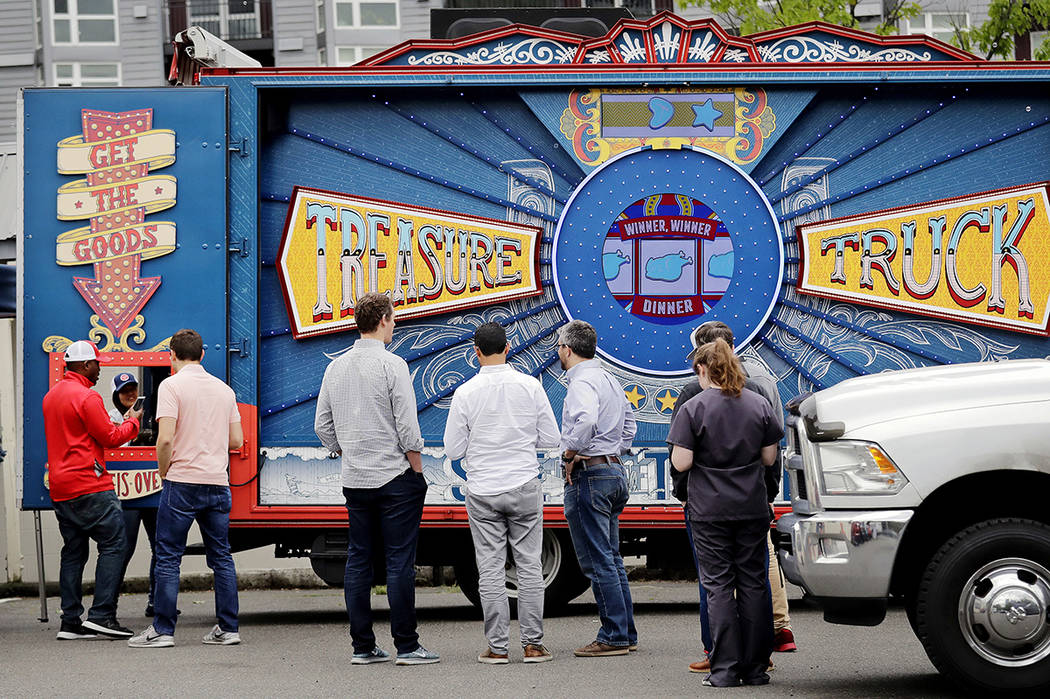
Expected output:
(124, 242)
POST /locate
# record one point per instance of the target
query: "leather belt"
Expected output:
(601, 460)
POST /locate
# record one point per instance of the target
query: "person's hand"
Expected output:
(132, 413)
(569, 466)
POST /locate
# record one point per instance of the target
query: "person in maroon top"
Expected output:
(78, 429)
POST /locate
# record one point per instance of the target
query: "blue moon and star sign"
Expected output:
(656, 242)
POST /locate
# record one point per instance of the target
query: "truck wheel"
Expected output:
(983, 609)
(562, 579)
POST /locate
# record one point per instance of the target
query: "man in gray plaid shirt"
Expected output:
(366, 411)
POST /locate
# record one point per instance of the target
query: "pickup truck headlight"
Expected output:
(857, 468)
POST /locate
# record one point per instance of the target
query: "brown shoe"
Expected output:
(596, 649)
(701, 666)
(537, 653)
(490, 658)
(633, 647)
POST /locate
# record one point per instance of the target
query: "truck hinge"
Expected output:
(240, 348)
(239, 248)
(239, 146)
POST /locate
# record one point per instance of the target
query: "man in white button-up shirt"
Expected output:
(498, 420)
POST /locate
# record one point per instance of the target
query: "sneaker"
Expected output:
(633, 648)
(701, 665)
(784, 641)
(151, 639)
(596, 649)
(376, 655)
(420, 656)
(537, 653)
(110, 628)
(75, 631)
(491, 658)
(708, 683)
(218, 637)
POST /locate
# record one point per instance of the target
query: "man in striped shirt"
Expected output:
(366, 411)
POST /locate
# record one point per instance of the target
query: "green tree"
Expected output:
(750, 16)
(1007, 19)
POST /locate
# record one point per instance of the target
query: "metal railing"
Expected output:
(230, 20)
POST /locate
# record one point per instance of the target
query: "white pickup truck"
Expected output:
(931, 486)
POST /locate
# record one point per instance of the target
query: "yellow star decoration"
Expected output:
(635, 396)
(667, 400)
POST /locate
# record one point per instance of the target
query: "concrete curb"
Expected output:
(250, 580)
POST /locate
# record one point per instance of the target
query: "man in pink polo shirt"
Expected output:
(197, 425)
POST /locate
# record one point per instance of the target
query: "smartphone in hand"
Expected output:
(138, 403)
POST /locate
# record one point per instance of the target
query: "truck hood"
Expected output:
(893, 395)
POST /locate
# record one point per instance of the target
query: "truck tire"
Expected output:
(983, 608)
(563, 581)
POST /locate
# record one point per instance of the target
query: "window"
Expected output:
(939, 25)
(365, 13)
(320, 16)
(1037, 39)
(85, 21)
(87, 74)
(349, 55)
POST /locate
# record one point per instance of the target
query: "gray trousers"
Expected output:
(514, 518)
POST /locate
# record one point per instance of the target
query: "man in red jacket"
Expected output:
(78, 428)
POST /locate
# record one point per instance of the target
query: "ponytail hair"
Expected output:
(723, 368)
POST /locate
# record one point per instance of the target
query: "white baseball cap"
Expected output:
(84, 351)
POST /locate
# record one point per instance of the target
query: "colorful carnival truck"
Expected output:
(847, 203)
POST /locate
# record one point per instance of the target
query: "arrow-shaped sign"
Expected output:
(115, 153)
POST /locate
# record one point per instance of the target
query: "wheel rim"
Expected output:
(550, 560)
(1004, 612)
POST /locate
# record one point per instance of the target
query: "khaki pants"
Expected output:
(781, 618)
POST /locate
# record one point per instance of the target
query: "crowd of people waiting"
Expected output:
(723, 442)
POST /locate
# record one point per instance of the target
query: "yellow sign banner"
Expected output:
(336, 247)
(975, 259)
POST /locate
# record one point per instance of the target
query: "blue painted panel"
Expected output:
(395, 159)
(192, 288)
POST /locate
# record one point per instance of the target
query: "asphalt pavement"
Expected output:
(295, 643)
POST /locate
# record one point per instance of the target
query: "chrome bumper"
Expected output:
(842, 554)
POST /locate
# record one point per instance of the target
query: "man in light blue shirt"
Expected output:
(597, 426)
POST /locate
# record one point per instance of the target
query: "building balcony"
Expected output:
(246, 24)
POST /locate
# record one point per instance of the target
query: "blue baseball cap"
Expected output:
(123, 379)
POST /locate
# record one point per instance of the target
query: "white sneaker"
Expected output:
(151, 639)
(218, 637)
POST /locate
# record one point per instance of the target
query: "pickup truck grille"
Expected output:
(796, 466)
(800, 485)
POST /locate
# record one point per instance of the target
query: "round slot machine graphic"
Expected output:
(668, 258)
(655, 242)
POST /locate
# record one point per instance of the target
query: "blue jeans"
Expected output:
(148, 517)
(391, 514)
(180, 505)
(93, 516)
(705, 623)
(593, 503)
